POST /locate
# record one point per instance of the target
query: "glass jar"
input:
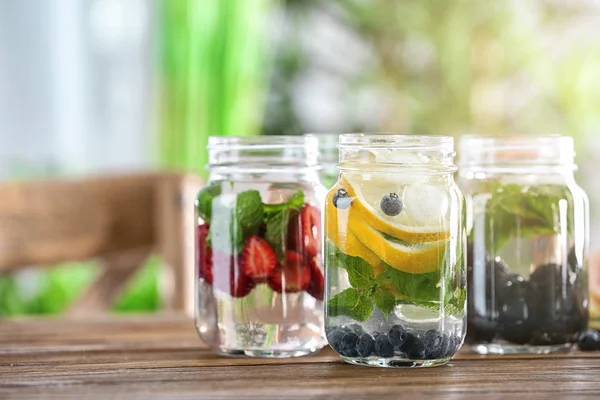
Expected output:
(259, 286)
(527, 244)
(328, 158)
(395, 268)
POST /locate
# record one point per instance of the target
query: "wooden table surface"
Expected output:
(151, 357)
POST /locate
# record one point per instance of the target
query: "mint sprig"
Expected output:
(204, 200)
(521, 211)
(367, 289)
(351, 302)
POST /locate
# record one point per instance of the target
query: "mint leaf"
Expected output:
(416, 287)
(384, 300)
(351, 302)
(360, 273)
(276, 230)
(521, 211)
(205, 198)
(249, 212)
(295, 202)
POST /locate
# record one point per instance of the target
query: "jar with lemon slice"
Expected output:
(394, 252)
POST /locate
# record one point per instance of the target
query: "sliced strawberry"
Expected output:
(293, 276)
(316, 288)
(295, 241)
(228, 277)
(203, 254)
(258, 260)
(240, 284)
(310, 218)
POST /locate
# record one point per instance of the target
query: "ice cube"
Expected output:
(425, 203)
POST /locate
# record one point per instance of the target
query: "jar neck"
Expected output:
(532, 174)
(273, 175)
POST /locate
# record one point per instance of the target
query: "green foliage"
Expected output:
(366, 290)
(522, 211)
(142, 294)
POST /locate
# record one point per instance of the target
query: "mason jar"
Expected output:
(328, 158)
(260, 283)
(527, 244)
(395, 238)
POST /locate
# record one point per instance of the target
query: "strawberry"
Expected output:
(294, 239)
(293, 276)
(310, 219)
(316, 287)
(240, 285)
(258, 259)
(203, 254)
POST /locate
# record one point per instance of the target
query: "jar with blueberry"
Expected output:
(395, 237)
(260, 282)
(527, 244)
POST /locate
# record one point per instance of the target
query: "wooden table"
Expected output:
(151, 357)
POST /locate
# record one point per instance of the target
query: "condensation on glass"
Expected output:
(395, 237)
(527, 244)
(260, 283)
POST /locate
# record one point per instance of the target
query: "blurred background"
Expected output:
(91, 87)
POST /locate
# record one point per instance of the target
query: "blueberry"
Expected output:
(397, 335)
(453, 345)
(366, 345)
(334, 338)
(413, 346)
(589, 340)
(391, 204)
(436, 344)
(356, 328)
(341, 199)
(383, 347)
(348, 345)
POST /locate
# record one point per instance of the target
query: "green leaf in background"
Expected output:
(351, 302)
(142, 293)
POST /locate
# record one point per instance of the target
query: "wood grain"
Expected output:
(161, 357)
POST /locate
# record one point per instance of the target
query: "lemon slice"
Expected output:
(424, 210)
(415, 258)
(336, 229)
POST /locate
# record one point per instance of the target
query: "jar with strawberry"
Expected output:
(259, 284)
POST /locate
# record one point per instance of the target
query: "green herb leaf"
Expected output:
(416, 287)
(295, 202)
(360, 274)
(249, 212)
(521, 211)
(276, 230)
(384, 299)
(351, 302)
(205, 198)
